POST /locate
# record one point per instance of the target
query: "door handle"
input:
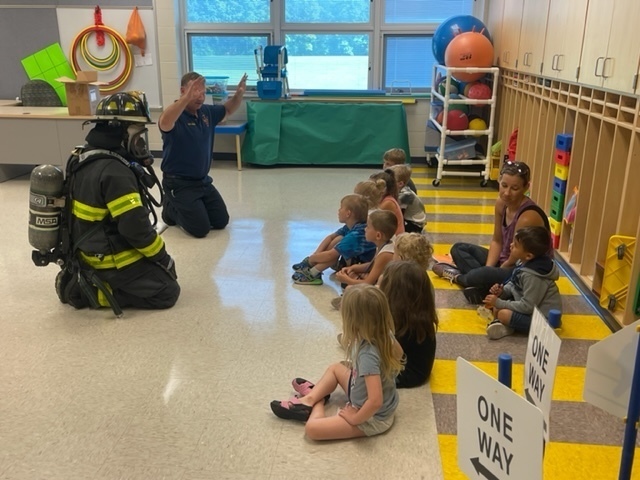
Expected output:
(595, 71)
(604, 66)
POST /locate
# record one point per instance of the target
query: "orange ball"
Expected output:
(469, 49)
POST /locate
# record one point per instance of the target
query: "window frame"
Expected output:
(276, 30)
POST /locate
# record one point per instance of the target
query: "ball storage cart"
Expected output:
(445, 100)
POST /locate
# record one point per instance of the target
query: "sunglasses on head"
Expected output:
(519, 167)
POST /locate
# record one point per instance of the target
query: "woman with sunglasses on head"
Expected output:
(476, 268)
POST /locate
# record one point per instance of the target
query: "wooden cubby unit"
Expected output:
(605, 165)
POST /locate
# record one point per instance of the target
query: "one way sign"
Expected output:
(499, 433)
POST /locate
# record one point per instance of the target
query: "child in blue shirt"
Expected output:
(345, 246)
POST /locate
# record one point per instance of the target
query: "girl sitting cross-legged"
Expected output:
(367, 376)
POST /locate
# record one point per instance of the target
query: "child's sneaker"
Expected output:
(486, 314)
(497, 330)
(339, 265)
(304, 277)
(473, 295)
(302, 265)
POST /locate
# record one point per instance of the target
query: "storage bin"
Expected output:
(561, 172)
(460, 150)
(216, 86)
(557, 206)
(559, 185)
(555, 240)
(562, 157)
(556, 227)
(564, 141)
(269, 90)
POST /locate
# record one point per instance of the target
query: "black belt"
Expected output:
(181, 177)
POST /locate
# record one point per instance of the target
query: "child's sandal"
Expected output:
(291, 409)
(304, 387)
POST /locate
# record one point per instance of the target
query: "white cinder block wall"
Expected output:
(171, 71)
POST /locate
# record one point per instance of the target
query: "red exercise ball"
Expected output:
(456, 120)
(479, 91)
(469, 49)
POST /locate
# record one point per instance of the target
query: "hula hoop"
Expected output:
(106, 63)
(120, 45)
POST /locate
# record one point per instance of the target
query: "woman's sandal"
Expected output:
(291, 409)
(304, 387)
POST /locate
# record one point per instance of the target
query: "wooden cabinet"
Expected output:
(563, 40)
(494, 24)
(532, 35)
(510, 34)
(611, 47)
(604, 165)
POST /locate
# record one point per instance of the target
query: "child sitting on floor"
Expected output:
(347, 243)
(412, 303)
(532, 284)
(387, 182)
(374, 360)
(413, 246)
(396, 156)
(380, 229)
(370, 190)
(415, 217)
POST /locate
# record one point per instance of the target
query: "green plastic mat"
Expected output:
(48, 64)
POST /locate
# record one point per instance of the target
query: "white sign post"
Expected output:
(543, 350)
(499, 432)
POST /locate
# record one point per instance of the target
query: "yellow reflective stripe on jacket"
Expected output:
(154, 248)
(102, 298)
(119, 260)
(124, 203)
(87, 212)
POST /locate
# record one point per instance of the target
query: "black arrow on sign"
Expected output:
(528, 396)
(532, 402)
(482, 470)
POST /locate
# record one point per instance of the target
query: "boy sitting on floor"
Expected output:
(415, 217)
(343, 247)
(396, 156)
(532, 284)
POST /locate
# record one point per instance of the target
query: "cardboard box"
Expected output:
(83, 93)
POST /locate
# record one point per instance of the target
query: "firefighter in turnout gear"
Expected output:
(116, 258)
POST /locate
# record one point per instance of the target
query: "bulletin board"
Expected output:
(72, 21)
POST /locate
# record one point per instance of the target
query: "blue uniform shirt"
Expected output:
(188, 147)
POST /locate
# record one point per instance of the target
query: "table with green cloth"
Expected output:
(293, 132)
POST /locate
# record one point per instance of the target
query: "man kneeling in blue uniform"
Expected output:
(187, 128)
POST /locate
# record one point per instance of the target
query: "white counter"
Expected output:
(36, 135)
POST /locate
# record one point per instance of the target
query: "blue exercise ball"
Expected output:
(451, 27)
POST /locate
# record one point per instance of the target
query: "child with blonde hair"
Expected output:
(413, 246)
(386, 181)
(415, 217)
(396, 156)
(371, 191)
(412, 303)
(368, 376)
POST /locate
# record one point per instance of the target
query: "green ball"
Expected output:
(455, 86)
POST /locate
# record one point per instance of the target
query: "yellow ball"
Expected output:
(477, 124)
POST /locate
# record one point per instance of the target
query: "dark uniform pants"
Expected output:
(195, 205)
(142, 285)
